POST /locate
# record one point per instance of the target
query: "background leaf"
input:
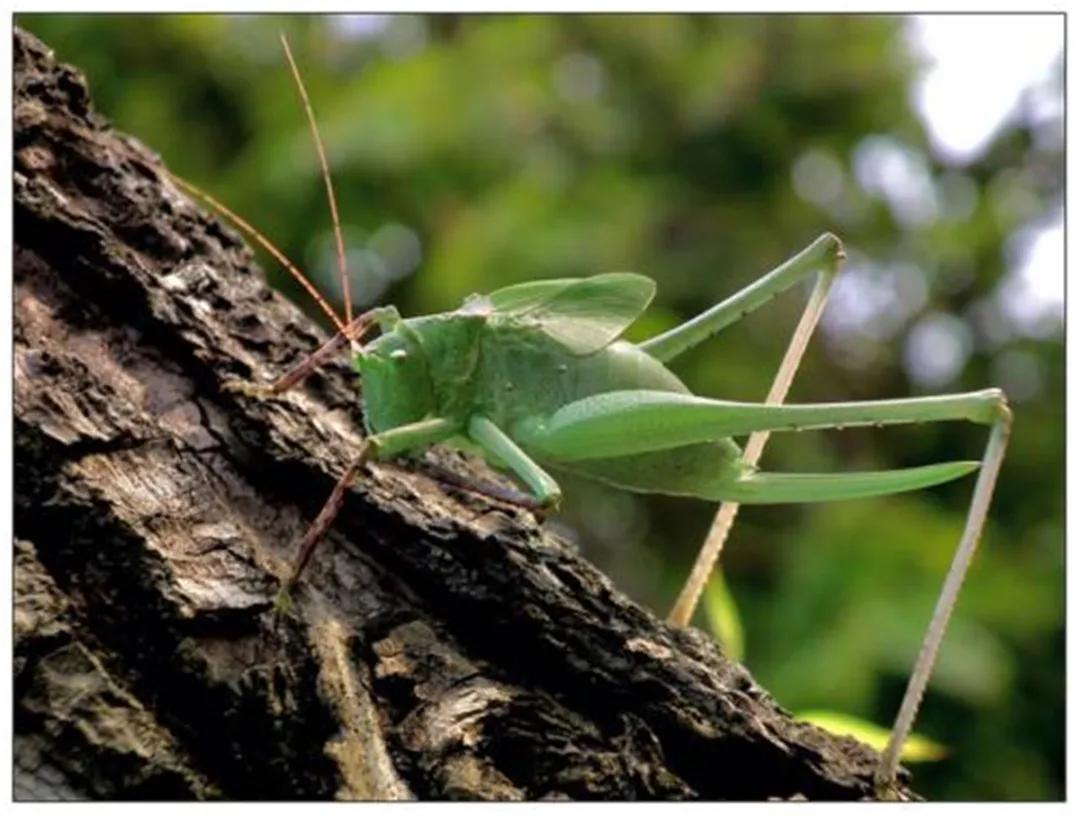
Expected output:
(916, 748)
(722, 613)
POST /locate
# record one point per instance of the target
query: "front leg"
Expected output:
(491, 438)
(379, 446)
(352, 333)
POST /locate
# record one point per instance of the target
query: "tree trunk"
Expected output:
(444, 645)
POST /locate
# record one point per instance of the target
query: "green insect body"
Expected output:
(529, 359)
(517, 368)
(535, 376)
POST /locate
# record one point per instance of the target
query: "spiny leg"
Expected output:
(321, 525)
(631, 422)
(683, 611)
(352, 332)
(622, 423)
(885, 776)
(412, 437)
(821, 258)
(448, 477)
(485, 433)
(380, 446)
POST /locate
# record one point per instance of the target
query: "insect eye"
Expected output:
(398, 354)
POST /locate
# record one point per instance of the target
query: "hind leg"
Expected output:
(500, 493)
(709, 554)
(625, 423)
(822, 258)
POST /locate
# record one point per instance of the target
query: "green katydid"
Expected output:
(535, 377)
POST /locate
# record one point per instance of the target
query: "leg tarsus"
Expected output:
(258, 391)
(506, 495)
(321, 524)
(283, 604)
(887, 791)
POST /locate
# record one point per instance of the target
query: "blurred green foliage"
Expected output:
(472, 152)
(916, 748)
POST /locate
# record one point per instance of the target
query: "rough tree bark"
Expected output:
(445, 646)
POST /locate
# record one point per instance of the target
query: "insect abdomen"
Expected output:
(705, 470)
(521, 375)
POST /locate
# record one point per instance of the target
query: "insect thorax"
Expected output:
(457, 364)
(522, 374)
(422, 368)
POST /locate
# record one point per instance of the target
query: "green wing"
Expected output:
(583, 314)
(522, 296)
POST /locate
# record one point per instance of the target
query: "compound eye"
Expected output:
(398, 354)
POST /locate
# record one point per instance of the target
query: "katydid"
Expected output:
(535, 377)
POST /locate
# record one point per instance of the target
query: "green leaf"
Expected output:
(722, 613)
(916, 749)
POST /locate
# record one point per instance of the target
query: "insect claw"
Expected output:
(542, 509)
(283, 605)
(248, 389)
(886, 790)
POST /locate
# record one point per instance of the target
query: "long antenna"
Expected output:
(264, 242)
(343, 270)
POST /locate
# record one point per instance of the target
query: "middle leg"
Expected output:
(508, 495)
